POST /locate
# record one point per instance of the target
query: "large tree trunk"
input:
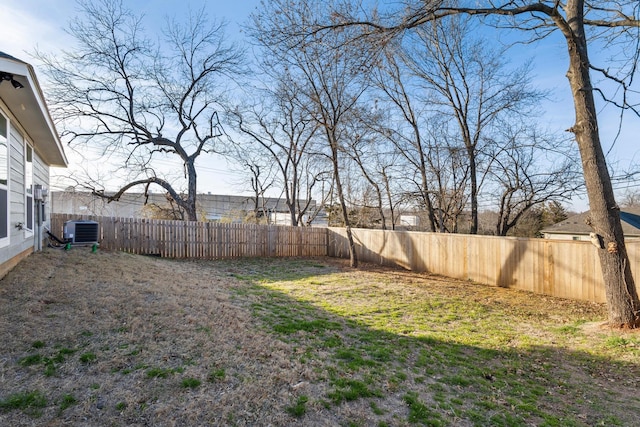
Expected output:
(190, 203)
(621, 293)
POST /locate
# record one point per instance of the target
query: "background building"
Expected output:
(212, 207)
(576, 228)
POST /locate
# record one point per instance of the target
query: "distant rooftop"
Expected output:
(630, 218)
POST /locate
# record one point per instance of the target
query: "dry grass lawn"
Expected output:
(116, 339)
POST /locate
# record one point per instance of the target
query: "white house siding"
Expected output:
(20, 240)
(27, 118)
(16, 183)
(552, 236)
(41, 176)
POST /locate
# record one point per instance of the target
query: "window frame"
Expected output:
(4, 187)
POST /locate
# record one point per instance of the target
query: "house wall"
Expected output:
(552, 236)
(582, 237)
(284, 218)
(21, 241)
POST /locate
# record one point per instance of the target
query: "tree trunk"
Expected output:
(621, 293)
(292, 214)
(190, 203)
(291, 195)
(427, 203)
(389, 198)
(425, 182)
(353, 258)
(473, 172)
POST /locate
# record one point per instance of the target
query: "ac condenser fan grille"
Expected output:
(81, 231)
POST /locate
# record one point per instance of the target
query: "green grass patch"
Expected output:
(460, 345)
(30, 360)
(66, 401)
(157, 372)
(204, 329)
(420, 412)
(616, 341)
(458, 380)
(349, 389)
(191, 383)
(376, 409)
(88, 357)
(571, 329)
(217, 374)
(299, 408)
(353, 359)
(50, 369)
(332, 341)
(291, 326)
(29, 402)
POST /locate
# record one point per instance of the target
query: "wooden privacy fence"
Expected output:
(568, 269)
(190, 239)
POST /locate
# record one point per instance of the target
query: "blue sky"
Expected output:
(41, 23)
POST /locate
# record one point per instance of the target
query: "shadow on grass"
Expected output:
(409, 374)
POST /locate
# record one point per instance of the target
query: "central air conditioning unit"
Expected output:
(81, 232)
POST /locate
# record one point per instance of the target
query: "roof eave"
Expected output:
(29, 107)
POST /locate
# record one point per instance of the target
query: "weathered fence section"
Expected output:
(568, 269)
(190, 239)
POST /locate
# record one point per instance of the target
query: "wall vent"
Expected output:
(81, 232)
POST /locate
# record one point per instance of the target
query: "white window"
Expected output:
(28, 187)
(4, 181)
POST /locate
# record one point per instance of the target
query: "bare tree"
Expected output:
(614, 24)
(367, 148)
(472, 84)
(330, 80)
(394, 197)
(406, 134)
(439, 175)
(142, 101)
(169, 210)
(260, 181)
(537, 218)
(630, 199)
(451, 175)
(530, 170)
(283, 132)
